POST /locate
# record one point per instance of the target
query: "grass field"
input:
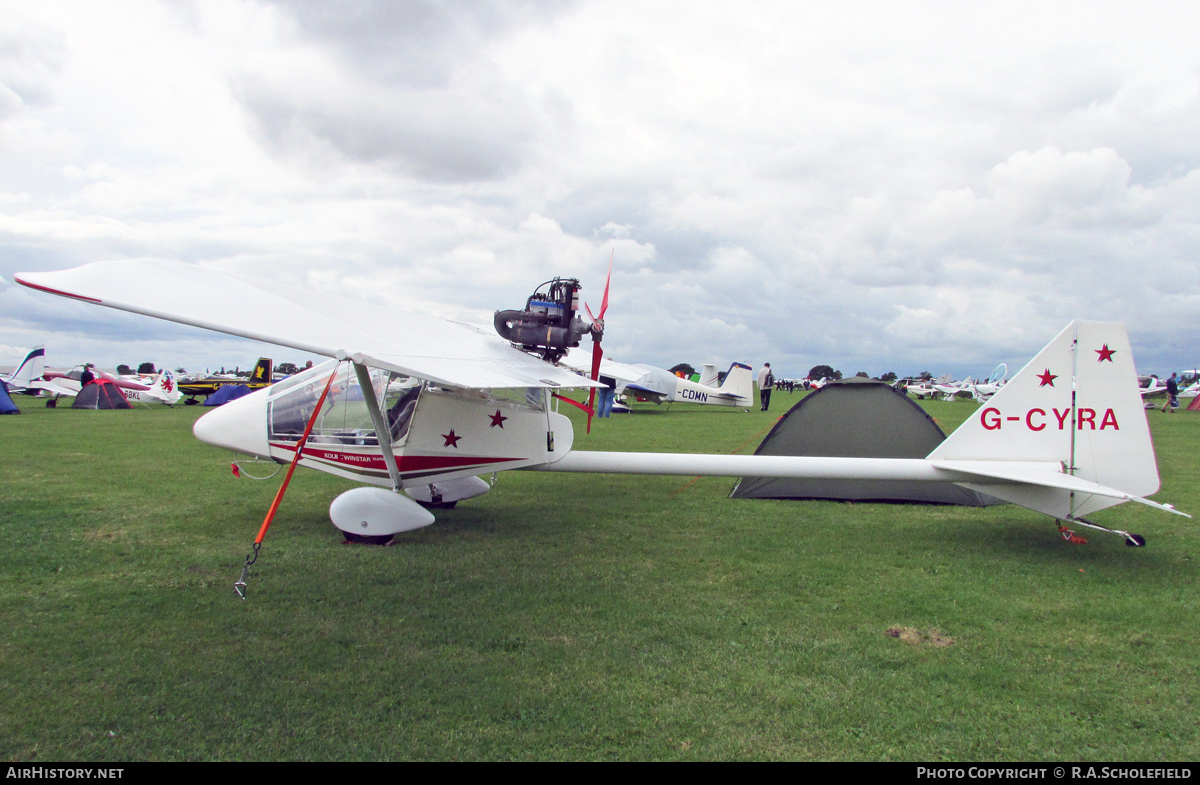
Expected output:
(575, 617)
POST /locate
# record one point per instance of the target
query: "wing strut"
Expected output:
(382, 431)
(239, 586)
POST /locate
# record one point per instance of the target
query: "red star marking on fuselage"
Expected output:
(451, 439)
(1047, 378)
(497, 419)
(1105, 353)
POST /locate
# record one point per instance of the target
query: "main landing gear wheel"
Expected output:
(366, 539)
(437, 505)
(372, 516)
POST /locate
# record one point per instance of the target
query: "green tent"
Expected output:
(856, 418)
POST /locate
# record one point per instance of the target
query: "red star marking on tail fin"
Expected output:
(1047, 378)
(1105, 353)
(451, 439)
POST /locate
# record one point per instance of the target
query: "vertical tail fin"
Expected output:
(165, 389)
(32, 367)
(708, 375)
(262, 371)
(1077, 404)
(739, 381)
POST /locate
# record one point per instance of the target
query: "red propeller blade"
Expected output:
(597, 352)
(607, 281)
(597, 355)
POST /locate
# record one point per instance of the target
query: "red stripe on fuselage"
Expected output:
(405, 463)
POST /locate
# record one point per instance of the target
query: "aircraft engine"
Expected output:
(549, 325)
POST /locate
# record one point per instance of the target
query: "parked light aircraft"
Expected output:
(1152, 386)
(161, 388)
(468, 403)
(921, 389)
(164, 389)
(658, 385)
(260, 377)
(31, 378)
(984, 390)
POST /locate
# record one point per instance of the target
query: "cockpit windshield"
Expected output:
(344, 417)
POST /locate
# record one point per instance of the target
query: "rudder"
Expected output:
(1076, 403)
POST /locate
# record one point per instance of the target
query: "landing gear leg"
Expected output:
(1132, 540)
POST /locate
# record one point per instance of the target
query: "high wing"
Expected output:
(580, 359)
(443, 352)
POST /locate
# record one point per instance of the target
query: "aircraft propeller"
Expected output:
(597, 334)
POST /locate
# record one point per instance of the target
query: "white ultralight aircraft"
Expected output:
(1067, 436)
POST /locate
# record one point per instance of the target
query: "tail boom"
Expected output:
(1066, 437)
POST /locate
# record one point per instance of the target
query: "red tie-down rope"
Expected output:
(240, 585)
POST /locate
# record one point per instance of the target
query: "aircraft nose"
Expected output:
(240, 425)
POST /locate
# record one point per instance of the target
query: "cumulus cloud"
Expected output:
(876, 187)
(408, 85)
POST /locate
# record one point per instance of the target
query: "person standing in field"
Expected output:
(1172, 402)
(607, 394)
(766, 381)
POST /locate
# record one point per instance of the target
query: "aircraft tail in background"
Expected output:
(165, 389)
(31, 368)
(262, 371)
(739, 381)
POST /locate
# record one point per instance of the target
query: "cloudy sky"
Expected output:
(879, 186)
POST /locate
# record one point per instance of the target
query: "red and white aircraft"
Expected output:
(162, 388)
(422, 408)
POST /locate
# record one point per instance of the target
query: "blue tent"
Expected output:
(226, 393)
(6, 403)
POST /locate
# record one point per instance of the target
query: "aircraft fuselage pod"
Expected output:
(439, 438)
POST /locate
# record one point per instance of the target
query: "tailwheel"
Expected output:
(1132, 540)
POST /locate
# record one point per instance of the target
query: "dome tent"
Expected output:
(100, 394)
(227, 393)
(6, 402)
(856, 418)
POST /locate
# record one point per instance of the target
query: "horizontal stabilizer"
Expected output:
(1040, 474)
